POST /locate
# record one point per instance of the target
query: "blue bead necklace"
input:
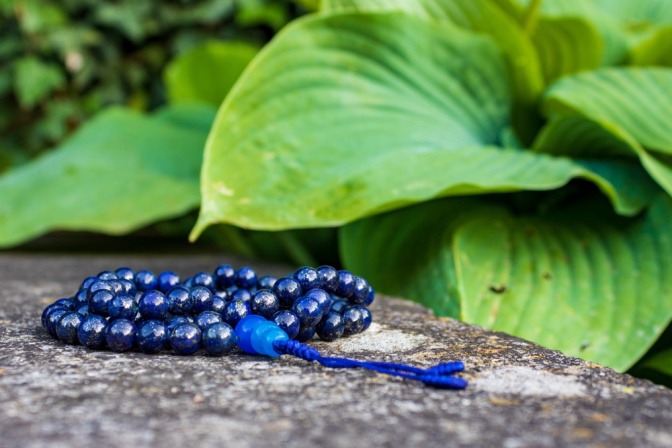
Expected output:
(228, 309)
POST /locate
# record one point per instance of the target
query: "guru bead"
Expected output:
(257, 335)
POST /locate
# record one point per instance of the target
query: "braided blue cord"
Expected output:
(439, 375)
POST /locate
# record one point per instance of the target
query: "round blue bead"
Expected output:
(52, 318)
(218, 304)
(116, 285)
(128, 286)
(120, 335)
(339, 305)
(235, 311)
(367, 318)
(204, 279)
(305, 333)
(153, 305)
(122, 306)
(83, 310)
(67, 326)
(175, 321)
(99, 285)
(266, 282)
(46, 311)
(307, 278)
(264, 335)
(328, 278)
(125, 274)
(180, 301)
(91, 332)
(346, 284)
(246, 278)
(308, 310)
(288, 321)
(207, 318)
(224, 276)
(185, 339)
(322, 298)
(67, 303)
(99, 302)
(370, 296)
(287, 290)
(361, 291)
(223, 294)
(107, 275)
(241, 294)
(331, 327)
(352, 320)
(202, 299)
(244, 329)
(219, 339)
(152, 336)
(145, 281)
(87, 282)
(265, 303)
(167, 280)
(81, 298)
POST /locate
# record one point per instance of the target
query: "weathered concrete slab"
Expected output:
(520, 394)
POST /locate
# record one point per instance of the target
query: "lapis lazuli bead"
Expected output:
(87, 282)
(128, 286)
(153, 305)
(367, 318)
(244, 329)
(322, 298)
(346, 284)
(224, 276)
(307, 278)
(246, 278)
(353, 321)
(202, 299)
(219, 339)
(207, 318)
(180, 301)
(339, 305)
(152, 336)
(91, 332)
(305, 333)
(83, 310)
(67, 303)
(218, 304)
(52, 319)
(266, 282)
(328, 278)
(97, 286)
(116, 285)
(203, 279)
(81, 297)
(67, 326)
(175, 321)
(145, 281)
(223, 294)
(46, 311)
(308, 310)
(125, 274)
(331, 327)
(235, 311)
(185, 339)
(122, 306)
(167, 280)
(107, 275)
(265, 303)
(241, 294)
(120, 335)
(288, 321)
(361, 290)
(99, 302)
(287, 290)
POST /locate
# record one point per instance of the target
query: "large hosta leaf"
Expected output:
(347, 115)
(579, 279)
(120, 171)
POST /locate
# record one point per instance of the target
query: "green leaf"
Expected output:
(633, 100)
(119, 172)
(485, 17)
(566, 46)
(656, 49)
(579, 279)
(35, 79)
(207, 72)
(661, 362)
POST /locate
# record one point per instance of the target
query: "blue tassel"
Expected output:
(257, 335)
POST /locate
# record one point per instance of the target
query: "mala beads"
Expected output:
(225, 310)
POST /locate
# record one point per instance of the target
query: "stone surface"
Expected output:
(520, 394)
